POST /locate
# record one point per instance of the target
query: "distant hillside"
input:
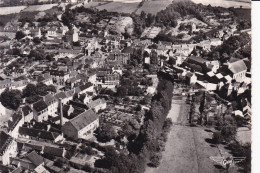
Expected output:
(225, 3)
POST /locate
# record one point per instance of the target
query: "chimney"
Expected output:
(61, 112)
(48, 127)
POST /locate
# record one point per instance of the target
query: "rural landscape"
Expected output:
(125, 86)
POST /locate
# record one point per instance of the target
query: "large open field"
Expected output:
(40, 7)
(18, 9)
(129, 6)
(226, 3)
(119, 7)
(11, 10)
(154, 7)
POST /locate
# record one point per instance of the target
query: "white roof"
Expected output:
(228, 78)
(247, 80)
(210, 74)
(219, 75)
(238, 113)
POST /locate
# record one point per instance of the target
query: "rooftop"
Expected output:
(5, 140)
(40, 106)
(83, 119)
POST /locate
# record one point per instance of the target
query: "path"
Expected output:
(186, 150)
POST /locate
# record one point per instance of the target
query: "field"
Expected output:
(225, 3)
(187, 149)
(11, 10)
(154, 7)
(119, 7)
(94, 4)
(39, 7)
(18, 9)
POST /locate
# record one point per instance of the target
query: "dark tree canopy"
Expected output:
(11, 98)
(19, 35)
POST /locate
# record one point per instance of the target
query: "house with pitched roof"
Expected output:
(27, 113)
(8, 148)
(52, 104)
(39, 134)
(99, 104)
(61, 96)
(40, 111)
(82, 126)
(88, 87)
(237, 70)
(15, 121)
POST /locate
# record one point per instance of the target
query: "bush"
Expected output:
(217, 137)
(228, 132)
(155, 160)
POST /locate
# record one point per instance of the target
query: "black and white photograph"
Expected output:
(125, 86)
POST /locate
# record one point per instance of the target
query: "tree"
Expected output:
(217, 137)
(37, 54)
(146, 54)
(29, 90)
(19, 35)
(154, 57)
(32, 99)
(106, 132)
(36, 40)
(11, 98)
(155, 160)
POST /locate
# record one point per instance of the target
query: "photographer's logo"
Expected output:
(227, 161)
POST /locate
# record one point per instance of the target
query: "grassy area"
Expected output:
(119, 7)
(154, 7)
(18, 9)
(94, 4)
(6, 18)
(187, 148)
(11, 10)
(39, 7)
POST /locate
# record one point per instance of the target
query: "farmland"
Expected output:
(119, 7)
(18, 9)
(39, 7)
(11, 10)
(149, 6)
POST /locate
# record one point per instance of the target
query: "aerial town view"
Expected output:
(134, 86)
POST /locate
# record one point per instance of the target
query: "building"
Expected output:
(8, 148)
(59, 77)
(15, 121)
(40, 111)
(237, 70)
(99, 104)
(88, 87)
(52, 104)
(40, 135)
(82, 126)
(27, 113)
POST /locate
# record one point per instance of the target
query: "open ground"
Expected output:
(187, 149)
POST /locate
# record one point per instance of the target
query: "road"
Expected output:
(186, 149)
